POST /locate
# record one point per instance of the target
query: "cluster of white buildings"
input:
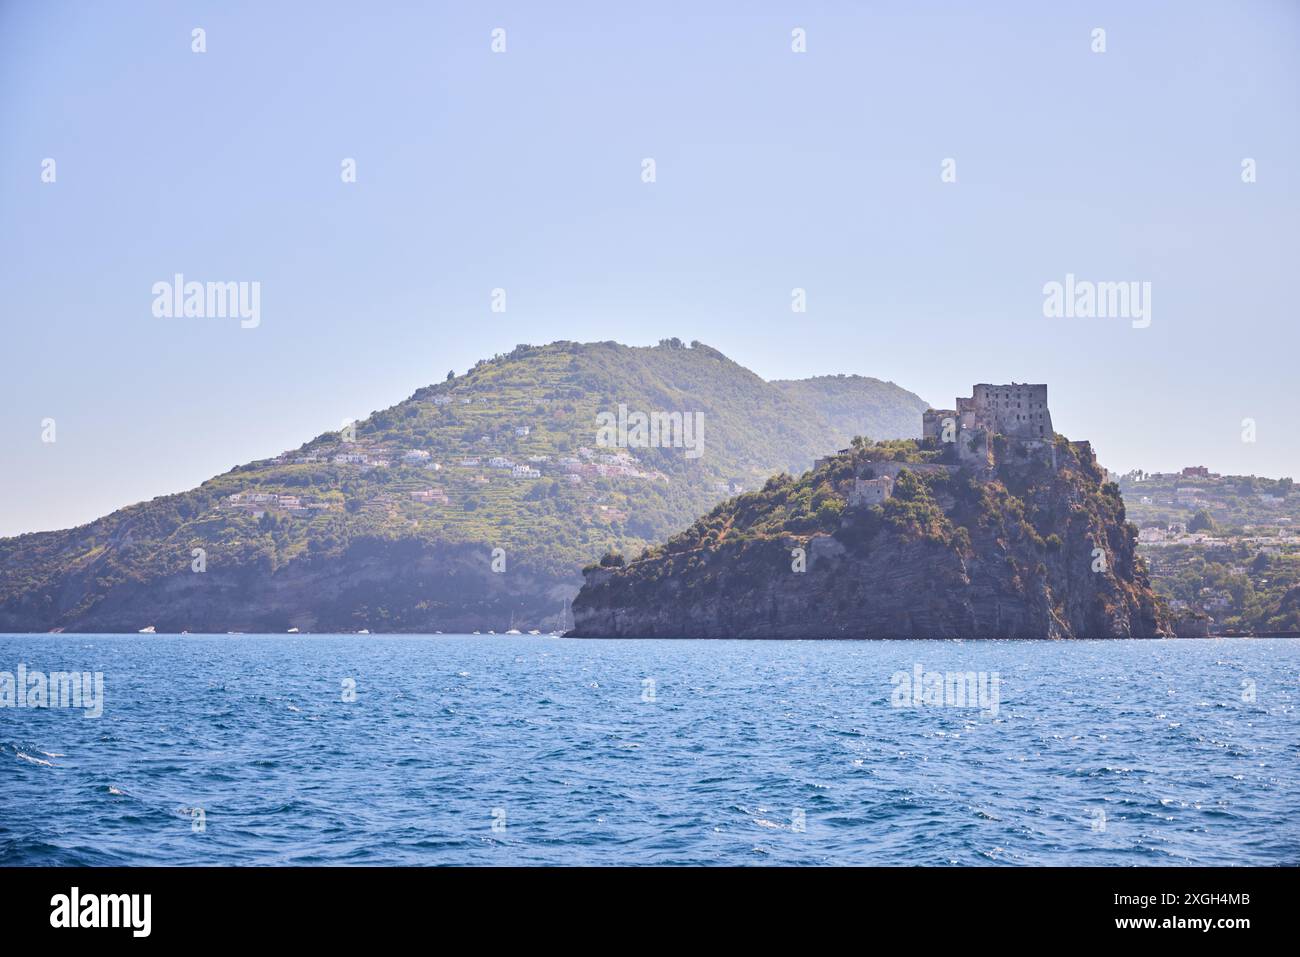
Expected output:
(574, 469)
(367, 457)
(591, 464)
(259, 502)
(1177, 534)
(586, 464)
(344, 454)
(1160, 536)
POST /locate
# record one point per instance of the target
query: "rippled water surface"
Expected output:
(657, 752)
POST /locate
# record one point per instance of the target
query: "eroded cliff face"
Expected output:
(1032, 546)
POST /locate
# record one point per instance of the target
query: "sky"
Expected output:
(522, 170)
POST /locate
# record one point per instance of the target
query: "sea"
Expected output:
(524, 750)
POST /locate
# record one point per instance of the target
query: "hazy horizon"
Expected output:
(522, 170)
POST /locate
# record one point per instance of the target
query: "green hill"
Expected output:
(394, 528)
(859, 405)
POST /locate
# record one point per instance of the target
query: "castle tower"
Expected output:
(932, 422)
(1018, 410)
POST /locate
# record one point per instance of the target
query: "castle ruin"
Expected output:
(871, 491)
(1018, 410)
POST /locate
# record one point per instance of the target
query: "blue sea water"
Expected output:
(524, 750)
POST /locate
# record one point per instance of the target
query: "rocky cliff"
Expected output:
(1031, 545)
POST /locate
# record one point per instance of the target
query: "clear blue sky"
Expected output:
(522, 171)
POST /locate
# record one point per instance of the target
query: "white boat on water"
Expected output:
(292, 631)
(364, 631)
(514, 631)
(477, 632)
(534, 631)
(148, 630)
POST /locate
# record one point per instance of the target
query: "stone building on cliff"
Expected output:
(871, 491)
(1017, 411)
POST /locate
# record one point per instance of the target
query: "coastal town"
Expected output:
(1222, 549)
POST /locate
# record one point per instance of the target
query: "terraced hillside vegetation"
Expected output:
(471, 505)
